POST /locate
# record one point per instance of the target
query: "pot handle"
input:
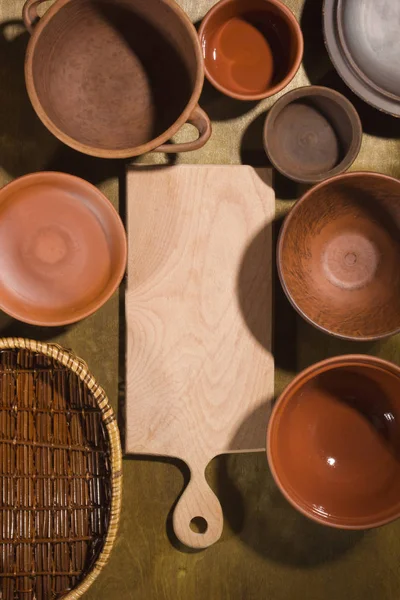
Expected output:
(30, 14)
(201, 121)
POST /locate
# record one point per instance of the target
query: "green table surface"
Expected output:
(267, 550)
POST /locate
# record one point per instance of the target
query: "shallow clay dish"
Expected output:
(62, 249)
(312, 133)
(333, 442)
(358, 81)
(252, 48)
(339, 256)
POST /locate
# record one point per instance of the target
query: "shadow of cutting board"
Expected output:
(198, 305)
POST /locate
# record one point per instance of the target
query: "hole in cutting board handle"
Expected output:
(197, 519)
(198, 525)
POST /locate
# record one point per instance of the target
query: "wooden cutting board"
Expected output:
(200, 373)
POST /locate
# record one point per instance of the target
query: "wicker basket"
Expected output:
(60, 470)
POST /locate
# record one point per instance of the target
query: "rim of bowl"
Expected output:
(282, 233)
(279, 86)
(361, 74)
(345, 70)
(121, 271)
(286, 396)
(149, 146)
(304, 92)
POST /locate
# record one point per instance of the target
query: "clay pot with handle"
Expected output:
(115, 79)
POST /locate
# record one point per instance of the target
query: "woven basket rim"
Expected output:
(80, 368)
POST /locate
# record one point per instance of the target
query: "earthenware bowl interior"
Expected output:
(311, 136)
(339, 256)
(276, 26)
(334, 443)
(114, 75)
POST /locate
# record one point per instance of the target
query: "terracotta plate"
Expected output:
(62, 249)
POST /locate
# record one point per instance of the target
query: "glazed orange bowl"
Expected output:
(252, 49)
(333, 442)
(63, 249)
(339, 255)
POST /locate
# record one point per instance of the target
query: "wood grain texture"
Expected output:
(267, 549)
(195, 372)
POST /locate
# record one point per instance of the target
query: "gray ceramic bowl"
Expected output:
(350, 44)
(369, 35)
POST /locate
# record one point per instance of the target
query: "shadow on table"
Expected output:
(257, 512)
(253, 506)
(94, 170)
(284, 333)
(26, 145)
(316, 59)
(10, 327)
(315, 345)
(253, 152)
(374, 122)
(218, 106)
(185, 472)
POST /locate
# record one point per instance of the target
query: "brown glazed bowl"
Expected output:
(339, 254)
(333, 442)
(115, 78)
(63, 249)
(252, 49)
(312, 133)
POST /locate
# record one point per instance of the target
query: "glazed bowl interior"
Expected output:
(334, 442)
(112, 75)
(251, 48)
(312, 133)
(63, 249)
(339, 256)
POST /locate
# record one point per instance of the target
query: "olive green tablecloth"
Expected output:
(267, 550)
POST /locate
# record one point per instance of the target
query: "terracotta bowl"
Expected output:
(312, 133)
(339, 255)
(63, 249)
(333, 442)
(252, 48)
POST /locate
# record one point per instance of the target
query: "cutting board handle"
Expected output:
(198, 519)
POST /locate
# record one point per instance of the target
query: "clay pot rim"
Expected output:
(124, 256)
(280, 405)
(104, 152)
(279, 86)
(304, 92)
(282, 234)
